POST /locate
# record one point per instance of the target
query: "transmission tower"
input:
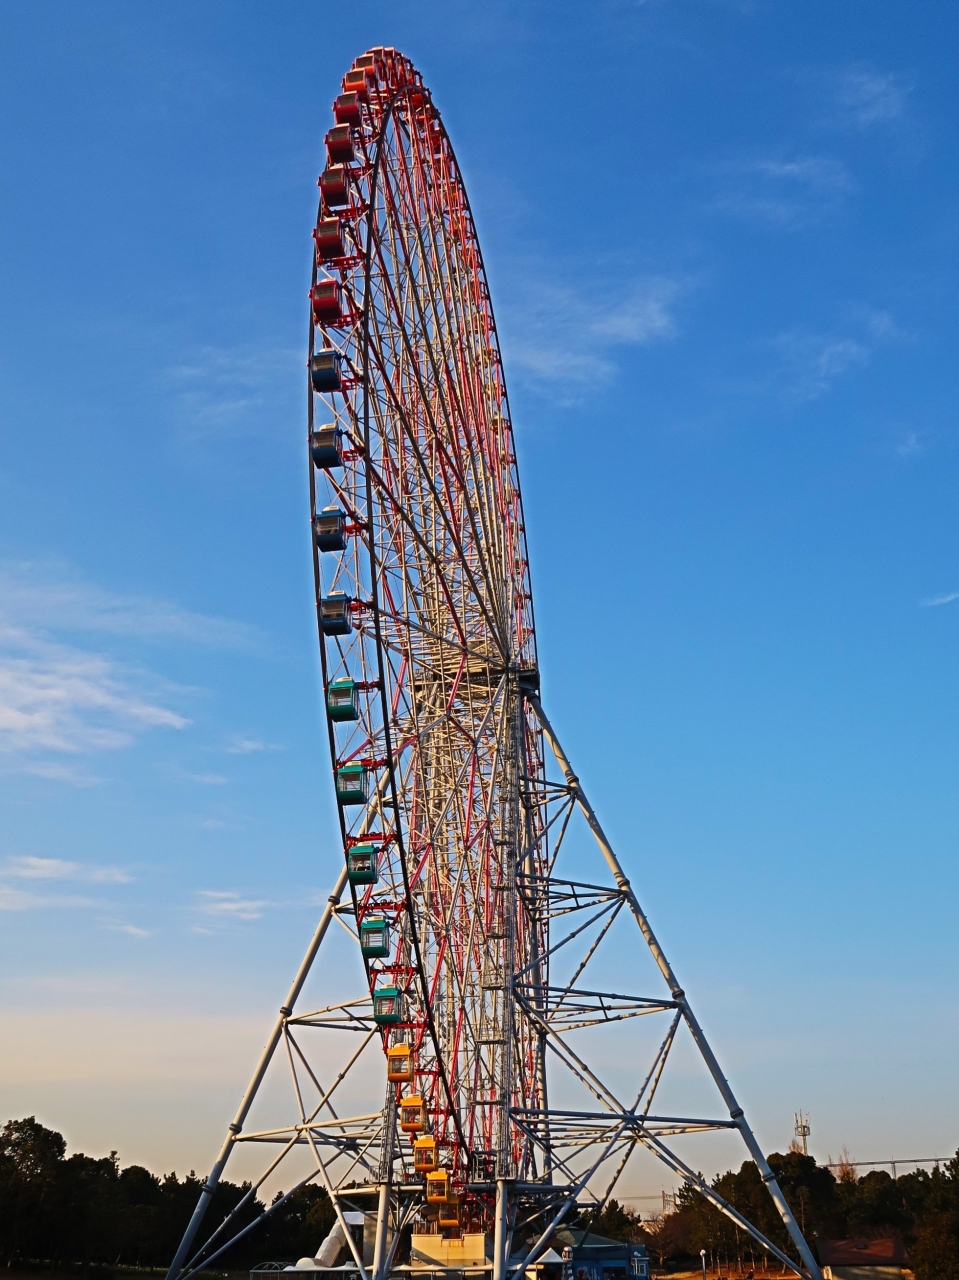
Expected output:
(802, 1130)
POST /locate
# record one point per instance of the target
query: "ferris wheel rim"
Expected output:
(512, 651)
(392, 762)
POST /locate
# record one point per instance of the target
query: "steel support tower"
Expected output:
(496, 1045)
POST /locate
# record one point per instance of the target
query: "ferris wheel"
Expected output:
(462, 886)
(425, 615)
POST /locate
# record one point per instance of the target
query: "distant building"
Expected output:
(593, 1257)
(883, 1259)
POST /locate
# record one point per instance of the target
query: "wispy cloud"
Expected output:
(934, 601)
(33, 868)
(229, 905)
(53, 597)
(863, 96)
(218, 389)
(911, 445)
(25, 883)
(77, 774)
(55, 697)
(810, 363)
(13, 898)
(562, 340)
(813, 362)
(60, 698)
(133, 930)
(783, 191)
(239, 746)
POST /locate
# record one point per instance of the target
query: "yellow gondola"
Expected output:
(449, 1214)
(399, 1063)
(424, 1155)
(438, 1187)
(412, 1114)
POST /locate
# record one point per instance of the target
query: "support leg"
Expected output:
(206, 1195)
(501, 1233)
(381, 1248)
(735, 1110)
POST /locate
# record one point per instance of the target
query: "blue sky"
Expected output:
(721, 243)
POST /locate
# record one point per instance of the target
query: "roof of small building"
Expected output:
(591, 1240)
(889, 1251)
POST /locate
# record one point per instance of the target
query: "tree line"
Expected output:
(921, 1207)
(79, 1212)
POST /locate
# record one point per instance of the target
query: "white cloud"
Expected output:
(208, 779)
(16, 873)
(910, 445)
(935, 601)
(55, 772)
(16, 899)
(59, 698)
(865, 96)
(880, 324)
(786, 192)
(133, 930)
(33, 868)
(55, 697)
(249, 746)
(230, 905)
(53, 597)
(810, 363)
(40, 868)
(813, 362)
(641, 317)
(220, 389)
(563, 340)
(818, 173)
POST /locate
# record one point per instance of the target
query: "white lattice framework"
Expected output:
(491, 920)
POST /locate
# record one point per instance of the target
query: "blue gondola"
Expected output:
(325, 370)
(335, 614)
(326, 447)
(329, 530)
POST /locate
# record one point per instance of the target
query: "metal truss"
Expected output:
(570, 1158)
(488, 923)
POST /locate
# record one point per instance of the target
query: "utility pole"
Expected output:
(802, 1130)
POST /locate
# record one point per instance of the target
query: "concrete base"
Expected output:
(430, 1252)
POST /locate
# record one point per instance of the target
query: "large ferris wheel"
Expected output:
(486, 945)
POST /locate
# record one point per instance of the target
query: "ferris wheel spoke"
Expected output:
(449, 438)
(439, 508)
(419, 541)
(445, 298)
(439, 302)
